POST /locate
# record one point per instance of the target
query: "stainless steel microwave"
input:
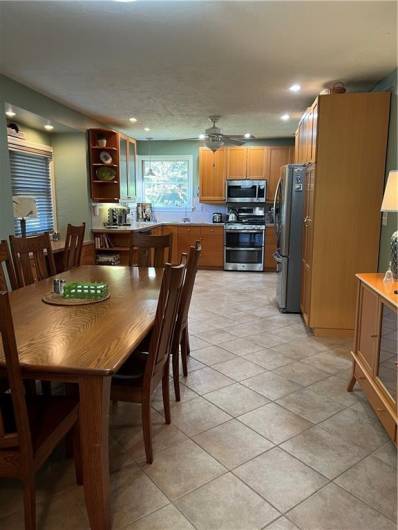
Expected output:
(246, 190)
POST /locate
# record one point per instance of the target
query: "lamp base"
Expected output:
(394, 254)
(23, 227)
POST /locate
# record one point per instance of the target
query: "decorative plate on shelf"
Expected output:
(105, 157)
(106, 173)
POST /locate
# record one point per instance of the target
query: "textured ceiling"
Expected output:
(171, 64)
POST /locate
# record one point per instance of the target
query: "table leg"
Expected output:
(94, 432)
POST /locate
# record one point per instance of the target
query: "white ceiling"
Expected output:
(171, 64)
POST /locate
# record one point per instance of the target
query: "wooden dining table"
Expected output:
(85, 345)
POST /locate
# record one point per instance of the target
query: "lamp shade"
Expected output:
(24, 207)
(390, 199)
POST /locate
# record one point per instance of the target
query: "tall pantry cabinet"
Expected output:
(342, 138)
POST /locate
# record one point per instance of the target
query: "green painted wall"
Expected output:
(191, 147)
(34, 135)
(389, 84)
(69, 155)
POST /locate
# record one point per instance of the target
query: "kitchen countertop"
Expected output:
(386, 290)
(148, 225)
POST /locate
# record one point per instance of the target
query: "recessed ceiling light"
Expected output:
(285, 117)
(49, 127)
(10, 113)
(133, 120)
(147, 129)
(247, 135)
(295, 88)
(202, 136)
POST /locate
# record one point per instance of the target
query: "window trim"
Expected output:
(24, 146)
(140, 180)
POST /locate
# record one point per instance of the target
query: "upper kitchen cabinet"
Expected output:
(128, 161)
(277, 157)
(211, 175)
(236, 163)
(104, 165)
(257, 162)
(343, 139)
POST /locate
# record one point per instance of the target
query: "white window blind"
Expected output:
(31, 175)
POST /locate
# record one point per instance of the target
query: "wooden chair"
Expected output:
(6, 262)
(33, 258)
(150, 251)
(141, 374)
(73, 246)
(181, 336)
(30, 426)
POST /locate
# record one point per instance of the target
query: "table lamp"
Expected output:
(390, 204)
(24, 208)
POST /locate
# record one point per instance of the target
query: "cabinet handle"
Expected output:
(380, 410)
(374, 336)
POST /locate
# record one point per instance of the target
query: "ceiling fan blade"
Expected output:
(233, 141)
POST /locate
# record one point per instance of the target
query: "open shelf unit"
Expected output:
(99, 192)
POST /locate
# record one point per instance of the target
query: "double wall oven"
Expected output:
(244, 236)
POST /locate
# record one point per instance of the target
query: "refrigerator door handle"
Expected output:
(275, 201)
(277, 257)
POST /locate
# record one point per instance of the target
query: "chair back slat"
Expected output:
(73, 246)
(165, 320)
(186, 294)
(150, 251)
(33, 258)
(6, 263)
(22, 436)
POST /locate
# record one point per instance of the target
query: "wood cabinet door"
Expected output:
(172, 229)
(186, 236)
(211, 175)
(306, 270)
(369, 327)
(236, 162)
(314, 131)
(270, 248)
(278, 157)
(257, 162)
(212, 240)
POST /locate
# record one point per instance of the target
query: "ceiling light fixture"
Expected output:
(133, 120)
(147, 129)
(285, 117)
(10, 113)
(295, 88)
(247, 135)
(49, 127)
(202, 136)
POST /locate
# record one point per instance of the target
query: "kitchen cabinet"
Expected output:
(212, 240)
(375, 347)
(277, 157)
(127, 173)
(236, 162)
(257, 162)
(211, 175)
(343, 140)
(270, 248)
(172, 229)
(186, 236)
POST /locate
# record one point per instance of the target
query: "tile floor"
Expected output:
(265, 436)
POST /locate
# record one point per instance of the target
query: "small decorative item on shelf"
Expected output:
(101, 140)
(388, 277)
(105, 157)
(85, 290)
(338, 88)
(106, 173)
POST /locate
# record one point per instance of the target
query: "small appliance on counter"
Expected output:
(217, 217)
(144, 212)
(117, 217)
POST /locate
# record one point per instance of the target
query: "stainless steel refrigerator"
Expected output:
(288, 216)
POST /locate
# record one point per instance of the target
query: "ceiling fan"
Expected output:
(214, 138)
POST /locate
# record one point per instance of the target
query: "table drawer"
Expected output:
(377, 404)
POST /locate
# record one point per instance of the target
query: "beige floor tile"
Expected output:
(193, 364)
(332, 508)
(195, 343)
(226, 504)
(328, 362)
(375, 483)
(212, 355)
(301, 373)
(282, 524)
(241, 346)
(335, 387)
(310, 405)
(182, 468)
(267, 339)
(271, 385)
(167, 518)
(206, 380)
(215, 336)
(300, 348)
(232, 443)
(185, 392)
(356, 427)
(275, 423)
(281, 479)
(133, 495)
(387, 453)
(324, 451)
(197, 415)
(238, 368)
(236, 399)
(268, 358)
